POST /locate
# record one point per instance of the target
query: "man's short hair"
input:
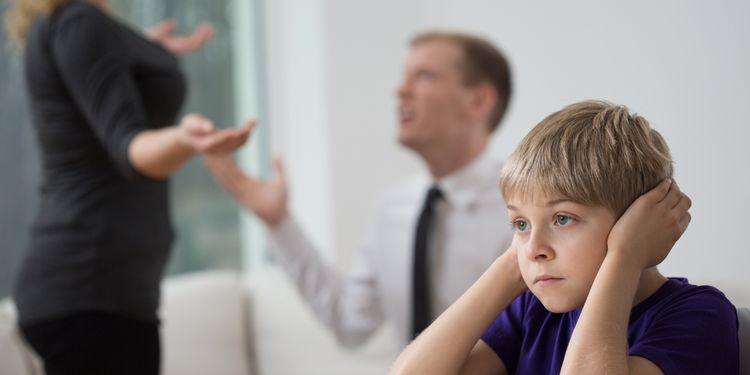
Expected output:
(482, 63)
(593, 153)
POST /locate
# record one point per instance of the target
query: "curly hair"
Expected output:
(21, 15)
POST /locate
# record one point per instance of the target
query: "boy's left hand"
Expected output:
(652, 224)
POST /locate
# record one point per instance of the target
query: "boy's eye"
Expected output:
(520, 225)
(563, 220)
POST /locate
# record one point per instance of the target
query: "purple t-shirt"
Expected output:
(682, 328)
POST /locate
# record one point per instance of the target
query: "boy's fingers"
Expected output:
(660, 192)
(675, 187)
(683, 200)
(684, 203)
(684, 222)
(673, 195)
(678, 198)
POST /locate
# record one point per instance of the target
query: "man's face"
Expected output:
(433, 101)
(560, 246)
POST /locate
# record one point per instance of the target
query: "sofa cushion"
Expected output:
(290, 340)
(204, 324)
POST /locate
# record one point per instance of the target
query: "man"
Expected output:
(420, 253)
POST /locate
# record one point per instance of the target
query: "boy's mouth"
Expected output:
(546, 280)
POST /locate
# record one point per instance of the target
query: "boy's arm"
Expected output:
(451, 345)
(640, 240)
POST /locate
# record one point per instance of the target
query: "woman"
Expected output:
(103, 98)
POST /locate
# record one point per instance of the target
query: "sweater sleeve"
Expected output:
(94, 65)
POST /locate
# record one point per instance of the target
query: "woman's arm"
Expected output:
(158, 153)
(450, 345)
(163, 33)
(93, 64)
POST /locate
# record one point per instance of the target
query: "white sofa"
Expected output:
(219, 322)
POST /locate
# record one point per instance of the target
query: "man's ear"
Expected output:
(483, 101)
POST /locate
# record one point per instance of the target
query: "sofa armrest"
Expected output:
(743, 314)
(15, 356)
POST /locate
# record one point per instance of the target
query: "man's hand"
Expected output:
(199, 134)
(267, 199)
(163, 33)
(651, 225)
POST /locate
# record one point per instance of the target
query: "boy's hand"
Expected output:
(649, 228)
(510, 269)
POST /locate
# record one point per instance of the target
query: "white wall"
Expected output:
(298, 113)
(683, 64)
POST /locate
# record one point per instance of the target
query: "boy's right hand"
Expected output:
(652, 224)
(511, 270)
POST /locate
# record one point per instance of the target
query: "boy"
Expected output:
(586, 249)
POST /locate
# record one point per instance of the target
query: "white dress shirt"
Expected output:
(471, 229)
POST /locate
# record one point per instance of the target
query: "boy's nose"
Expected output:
(539, 248)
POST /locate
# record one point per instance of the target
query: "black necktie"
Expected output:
(421, 314)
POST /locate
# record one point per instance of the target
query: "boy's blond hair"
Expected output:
(593, 153)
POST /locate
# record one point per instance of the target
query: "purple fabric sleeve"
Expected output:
(689, 334)
(505, 334)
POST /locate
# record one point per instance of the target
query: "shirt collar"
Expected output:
(463, 187)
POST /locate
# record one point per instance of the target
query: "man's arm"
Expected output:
(639, 241)
(451, 345)
(350, 306)
(266, 199)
